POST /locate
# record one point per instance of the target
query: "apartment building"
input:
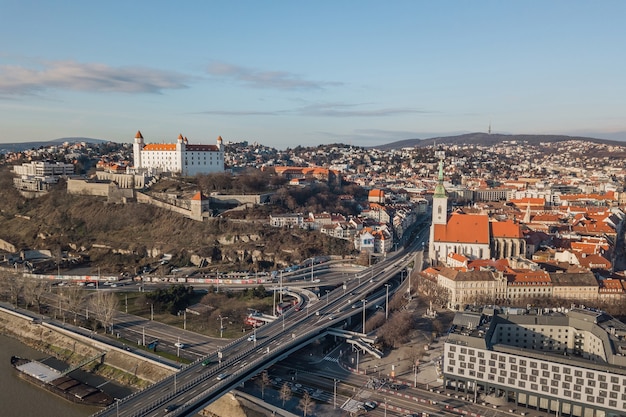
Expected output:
(571, 362)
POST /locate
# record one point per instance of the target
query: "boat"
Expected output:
(62, 385)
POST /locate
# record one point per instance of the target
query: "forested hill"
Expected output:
(486, 139)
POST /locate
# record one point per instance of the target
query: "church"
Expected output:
(474, 236)
(180, 157)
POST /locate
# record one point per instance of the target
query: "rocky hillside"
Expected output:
(120, 237)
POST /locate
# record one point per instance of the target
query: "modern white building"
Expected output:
(179, 157)
(571, 362)
(44, 169)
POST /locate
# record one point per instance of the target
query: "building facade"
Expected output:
(180, 157)
(569, 362)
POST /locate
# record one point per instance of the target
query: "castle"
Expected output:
(179, 157)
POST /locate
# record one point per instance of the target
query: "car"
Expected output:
(221, 376)
(331, 317)
(207, 362)
(170, 408)
(252, 338)
(371, 405)
(180, 345)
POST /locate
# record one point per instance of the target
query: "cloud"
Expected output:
(321, 110)
(276, 80)
(239, 113)
(76, 76)
(353, 110)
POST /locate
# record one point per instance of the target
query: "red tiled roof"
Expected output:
(506, 229)
(160, 147)
(464, 228)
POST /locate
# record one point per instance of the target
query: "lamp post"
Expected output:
(387, 302)
(364, 301)
(408, 271)
(385, 406)
(312, 269)
(221, 318)
(335, 394)
(274, 302)
(327, 291)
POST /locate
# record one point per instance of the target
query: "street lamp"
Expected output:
(151, 311)
(408, 271)
(335, 393)
(385, 406)
(364, 301)
(387, 302)
(221, 318)
(327, 291)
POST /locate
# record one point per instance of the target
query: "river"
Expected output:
(19, 398)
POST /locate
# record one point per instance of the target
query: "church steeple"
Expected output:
(440, 198)
(440, 191)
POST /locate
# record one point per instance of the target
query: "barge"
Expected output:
(62, 385)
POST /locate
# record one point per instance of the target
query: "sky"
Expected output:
(287, 73)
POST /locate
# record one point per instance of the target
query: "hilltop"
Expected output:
(487, 139)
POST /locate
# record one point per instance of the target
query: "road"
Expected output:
(196, 386)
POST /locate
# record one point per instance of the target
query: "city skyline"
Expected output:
(286, 74)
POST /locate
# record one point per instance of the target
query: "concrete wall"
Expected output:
(85, 187)
(241, 199)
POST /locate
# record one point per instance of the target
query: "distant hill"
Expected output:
(486, 139)
(22, 146)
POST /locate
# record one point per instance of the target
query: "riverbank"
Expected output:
(125, 368)
(116, 365)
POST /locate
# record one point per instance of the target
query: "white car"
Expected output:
(179, 345)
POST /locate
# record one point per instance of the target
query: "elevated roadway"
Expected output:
(197, 385)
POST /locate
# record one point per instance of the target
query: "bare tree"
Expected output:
(74, 298)
(104, 305)
(34, 290)
(264, 382)
(285, 393)
(306, 403)
(14, 286)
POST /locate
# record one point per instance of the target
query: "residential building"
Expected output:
(562, 361)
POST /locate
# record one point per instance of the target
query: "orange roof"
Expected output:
(160, 147)
(499, 264)
(138, 135)
(458, 257)
(376, 193)
(198, 196)
(464, 228)
(528, 277)
(528, 200)
(611, 284)
(506, 228)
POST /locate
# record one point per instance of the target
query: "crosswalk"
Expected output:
(330, 359)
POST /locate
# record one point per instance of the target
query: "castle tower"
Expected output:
(137, 147)
(220, 144)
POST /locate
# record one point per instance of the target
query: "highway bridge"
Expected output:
(200, 383)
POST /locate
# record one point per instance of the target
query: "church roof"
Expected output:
(464, 228)
(506, 229)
